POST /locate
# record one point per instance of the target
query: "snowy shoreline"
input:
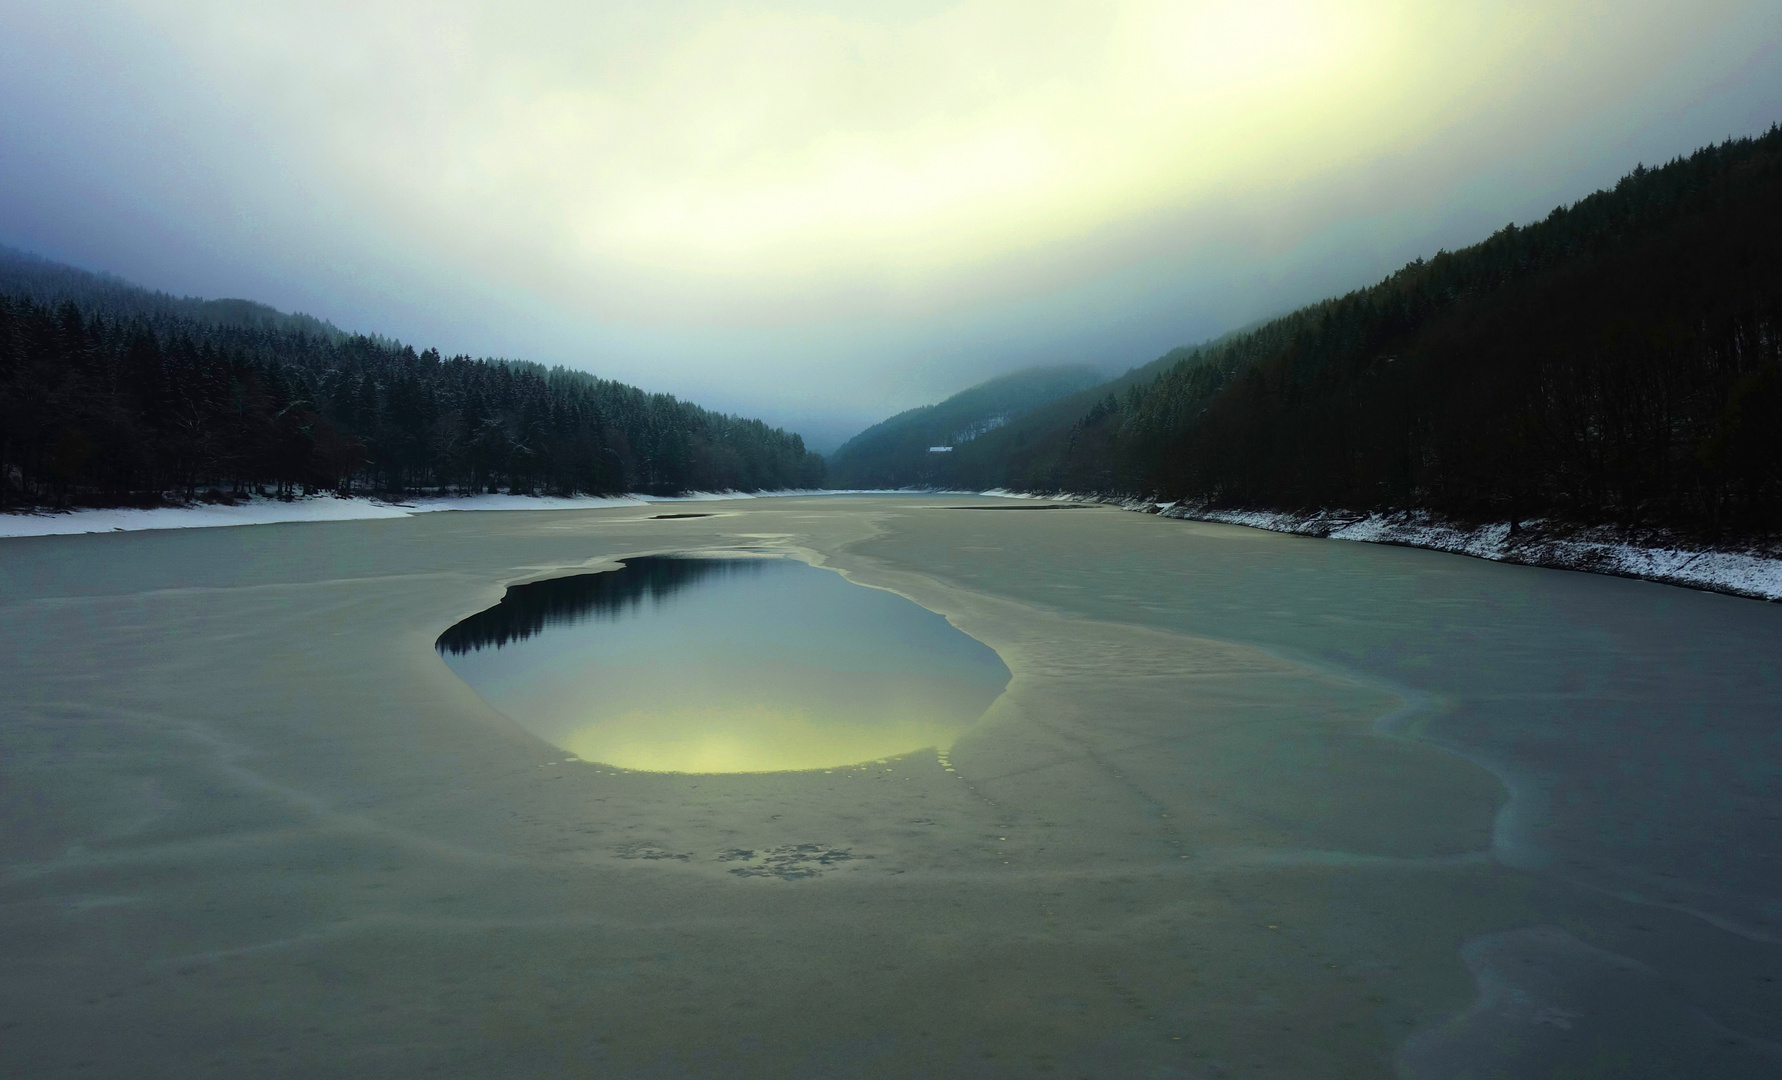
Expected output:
(1751, 573)
(270, 511)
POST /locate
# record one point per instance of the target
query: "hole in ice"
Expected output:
(675, 664)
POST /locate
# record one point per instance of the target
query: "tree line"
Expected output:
(117, 408)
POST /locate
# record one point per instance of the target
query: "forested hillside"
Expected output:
(897, 452)
(130, 395)
(1618, 362)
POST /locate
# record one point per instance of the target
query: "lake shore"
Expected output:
(1749, 572)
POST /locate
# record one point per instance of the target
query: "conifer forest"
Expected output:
(1619, 362)
(111, 395)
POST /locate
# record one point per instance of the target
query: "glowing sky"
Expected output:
(824, 213)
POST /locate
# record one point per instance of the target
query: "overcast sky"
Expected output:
(825, 213)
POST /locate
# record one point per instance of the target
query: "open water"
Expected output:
(716, 665)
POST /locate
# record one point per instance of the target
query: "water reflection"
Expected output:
(724, 665)
(527, 609)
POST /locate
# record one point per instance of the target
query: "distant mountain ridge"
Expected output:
(898, 452)
(51, 284)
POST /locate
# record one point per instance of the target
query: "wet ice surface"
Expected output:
(1552, 1005)
(716, 665)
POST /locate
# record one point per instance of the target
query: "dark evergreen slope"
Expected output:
(895, 452)
(132, 394)
(1620, 361)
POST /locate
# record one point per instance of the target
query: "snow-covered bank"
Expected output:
(265, 511)
(1754, 573)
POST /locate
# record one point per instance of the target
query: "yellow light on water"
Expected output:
(749, 739)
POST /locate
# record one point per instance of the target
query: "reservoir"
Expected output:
(724, 665)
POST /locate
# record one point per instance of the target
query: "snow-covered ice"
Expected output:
(268, 511)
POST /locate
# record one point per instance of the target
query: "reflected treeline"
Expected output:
(528, 609)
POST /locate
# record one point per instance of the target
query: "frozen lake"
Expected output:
(716, 665)
(1249, 805)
